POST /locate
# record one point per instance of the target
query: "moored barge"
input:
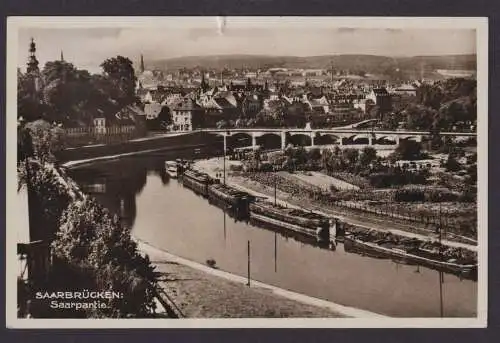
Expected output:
(432, 255)
(197, 181)
(231, 199)
(305, 222)
(171, 168)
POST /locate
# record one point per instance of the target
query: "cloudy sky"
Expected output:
(87, 44)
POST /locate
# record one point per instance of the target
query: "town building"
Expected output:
(381, 98)
(406, 90)
(187, 115)
(152, 110)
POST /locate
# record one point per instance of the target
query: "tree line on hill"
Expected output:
(391, 67)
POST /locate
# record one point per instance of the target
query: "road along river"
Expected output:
(168, 216)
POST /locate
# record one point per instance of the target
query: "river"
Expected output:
(163, 213)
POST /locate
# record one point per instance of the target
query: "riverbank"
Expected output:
(214, 166)
(200, 291)
(139, 146)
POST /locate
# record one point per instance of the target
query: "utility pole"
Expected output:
(224, 224)
(275, 190)
(224, 161)
(275, 252)
(248, 261)
(441, 276)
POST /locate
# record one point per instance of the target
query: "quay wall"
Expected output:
(139, 145)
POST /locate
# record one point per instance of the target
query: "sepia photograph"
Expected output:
(225, 171)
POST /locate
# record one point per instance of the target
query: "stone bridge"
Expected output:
(338, 133)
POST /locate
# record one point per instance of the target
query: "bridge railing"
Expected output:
(334, 130)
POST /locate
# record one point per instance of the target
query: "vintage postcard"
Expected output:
(246, 172)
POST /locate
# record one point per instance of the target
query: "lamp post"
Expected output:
(224, 157)
(275, 185)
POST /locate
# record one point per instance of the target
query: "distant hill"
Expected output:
(391, 66)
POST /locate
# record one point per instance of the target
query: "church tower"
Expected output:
(32, 61)
(62, 56)
(32, 69)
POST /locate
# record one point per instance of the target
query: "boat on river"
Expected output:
(198, 181)
(297, 220)
(458, 261)
(171, 168)
(231, 199)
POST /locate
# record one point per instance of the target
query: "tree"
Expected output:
(368, 155)
(408, 150)
(336, 150)
(471, 178)
(119, 71)
(46, 139)
(300, 155)
(419, 117)
(29, 104)
(351, 155)
(471, 159)
(314, 154)
(452, 164)
(326, 157)
(430, 96)
(59, 71)
(66, 92)
(24, 144)
(165, 117)
(391, 122)
(374, 111)
(101, 248)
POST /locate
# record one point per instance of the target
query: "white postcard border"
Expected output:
(479, 24)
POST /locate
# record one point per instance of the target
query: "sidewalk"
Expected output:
(200, 291)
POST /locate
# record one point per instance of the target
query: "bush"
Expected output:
(361, 180)
(381, 180)
(50, 194)
(469, 195)
(92, 241)
(236, 167)
(91, 249)
(452, 164)
(409, 195)
(408, 150)
(437, 195)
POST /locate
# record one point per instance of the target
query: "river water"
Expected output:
(164, 214)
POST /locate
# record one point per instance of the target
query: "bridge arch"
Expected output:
(299, 139)
(356, 139)
(411, 138)
(326, 139)
(269, 140)
(239, 139)
(386, 140)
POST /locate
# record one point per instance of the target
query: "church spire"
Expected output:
(204, 85)
(142, 64)
(62, 56)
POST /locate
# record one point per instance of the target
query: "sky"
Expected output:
(86, 44)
